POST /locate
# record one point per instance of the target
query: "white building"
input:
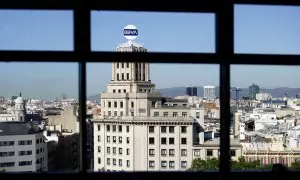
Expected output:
(16, 113)
(138, 130)
(22, 148)
(263, 96)
(209, 92)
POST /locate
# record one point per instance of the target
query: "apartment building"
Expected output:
(138, 130)
(22, 148)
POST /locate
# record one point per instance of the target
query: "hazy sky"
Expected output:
(258, 29)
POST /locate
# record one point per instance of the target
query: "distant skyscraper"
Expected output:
(191, 91)
(209, 92)
(253, 90)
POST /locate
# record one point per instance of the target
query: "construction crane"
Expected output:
(237, 95)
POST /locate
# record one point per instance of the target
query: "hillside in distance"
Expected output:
(180, 91)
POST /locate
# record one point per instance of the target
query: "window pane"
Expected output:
(45, 106)
(269, 117)
(36, 30)
(162, 32)
(171, 142)
(267, 29)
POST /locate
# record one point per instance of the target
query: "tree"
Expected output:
(241, 164)
(295, 165)
(210, 164)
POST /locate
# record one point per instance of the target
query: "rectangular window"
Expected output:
(109, 104)
(163, 164)
(109, 113)
(171, 152)
(127, 129)
(183, 140)
(25, 163)
(171, 164)
(119, 90)
(165, 114)
(115, 104)
(151, 152)
(151, 164)
(156, 114)
(197, 152)
(128, 163)
(183, 164)
(163, 129)
(127, 140)
(122, 65)
(171, 140)
(175, 114)
(117, 65)
(151, 140)
(115, 113)
(108, 161)
(107, 138)
(184, 114)
(127, 151)
(151, 129)
(132, 104)
(120, 128)
(183, 152)
(118, 78)
(99, 160)
(209, 152)
(99, 138)
(99, 149)
(108, 150)
(171, 129)
(114, 161)
(120, 139)
(232, 153)
(120, 162)
(163, 152)
(99, 127)
(114, 91)
(107, 127)
(123, 77)
(163, 140)
(183, 129)
(124, 90)
(121, 104)
(114, 150)
(114, 128)
(120, 151)
(121, 113)
(127, 76)
(114, 139)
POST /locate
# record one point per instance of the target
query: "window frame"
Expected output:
(224, 55)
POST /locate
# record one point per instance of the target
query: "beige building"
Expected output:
(63, 129)
(138, 130)
(211, 149)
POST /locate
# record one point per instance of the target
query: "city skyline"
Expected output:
(254, 33)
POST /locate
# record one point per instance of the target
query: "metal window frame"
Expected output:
(224, 55)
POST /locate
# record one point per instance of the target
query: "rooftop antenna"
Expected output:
(20, 94)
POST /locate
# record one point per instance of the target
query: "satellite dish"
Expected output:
(130, 32)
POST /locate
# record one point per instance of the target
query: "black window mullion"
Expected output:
(82, 48)
(224, 50)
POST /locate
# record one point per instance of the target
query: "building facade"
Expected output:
(138, 130)
(253, 90)
(22, 148)
(209, 92)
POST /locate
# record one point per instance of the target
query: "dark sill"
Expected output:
(154, 175)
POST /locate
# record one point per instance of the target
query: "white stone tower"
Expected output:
(20, 110)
